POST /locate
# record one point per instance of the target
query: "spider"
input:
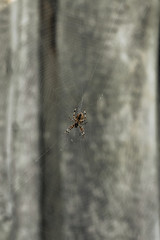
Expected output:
(79, 120)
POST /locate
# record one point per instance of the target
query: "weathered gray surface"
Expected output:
(5, 201)
(105, 185)
(25, 112)
(107, 62)
(19, 197)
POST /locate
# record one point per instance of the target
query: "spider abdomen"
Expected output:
(79, 116)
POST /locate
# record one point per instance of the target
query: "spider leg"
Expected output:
(82, 130)
(85, 115)
(74, 114)
(83, 123)
(70, 128)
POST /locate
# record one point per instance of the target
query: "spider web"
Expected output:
(71, 92)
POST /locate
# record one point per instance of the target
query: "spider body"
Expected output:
(79, 121)
(76, 125)
(79, 116)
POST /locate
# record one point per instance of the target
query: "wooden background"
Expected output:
(100, 56)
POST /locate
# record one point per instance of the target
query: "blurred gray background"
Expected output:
(99, 56)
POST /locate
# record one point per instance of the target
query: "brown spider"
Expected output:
(79, 120)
